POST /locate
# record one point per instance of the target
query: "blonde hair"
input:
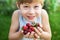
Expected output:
(29, 1)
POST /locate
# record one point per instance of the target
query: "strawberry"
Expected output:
(38, 24)
(28, 24)
(25, 32)
(25, 27)
(32, 28)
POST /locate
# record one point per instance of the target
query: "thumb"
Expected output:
(21, 31)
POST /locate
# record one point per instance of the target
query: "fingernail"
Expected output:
(22, 31)
(32, 32)
(38, 37)
(28, 32)
(37, 27)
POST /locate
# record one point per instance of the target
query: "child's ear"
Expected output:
(17, 5)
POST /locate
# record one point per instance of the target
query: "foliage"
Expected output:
(6, 7)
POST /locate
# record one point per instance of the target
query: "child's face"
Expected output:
(31, 11)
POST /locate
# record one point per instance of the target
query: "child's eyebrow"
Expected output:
(26, 4)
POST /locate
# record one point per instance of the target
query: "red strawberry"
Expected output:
(25, 32)
(28, 24)
(25, 27)
(32, 28)
(38, 24)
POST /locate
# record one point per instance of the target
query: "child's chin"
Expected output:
(31, 20)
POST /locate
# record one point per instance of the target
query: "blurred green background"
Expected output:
(8, 6)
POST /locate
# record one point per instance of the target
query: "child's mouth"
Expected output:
(31, 17)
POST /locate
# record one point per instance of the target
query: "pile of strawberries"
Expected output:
(29, 28)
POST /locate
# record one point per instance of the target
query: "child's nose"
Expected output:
(31, 11)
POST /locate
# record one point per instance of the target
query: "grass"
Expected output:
(55, 25)
(4, 27)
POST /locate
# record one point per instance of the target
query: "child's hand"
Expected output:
(30, 35)
(20, 32)
(38, 32)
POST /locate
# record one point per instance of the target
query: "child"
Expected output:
(30, 11)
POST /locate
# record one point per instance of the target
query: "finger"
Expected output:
(31, 35)
(36, 36)
(27, 35)
(37, 31)
(40, 25)
(40, 30)
(21, 32)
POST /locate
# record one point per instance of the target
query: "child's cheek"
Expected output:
(24, 11)
(38, 12)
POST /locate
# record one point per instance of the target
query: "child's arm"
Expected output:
(45, 31)
(13, 35)
(46, 25)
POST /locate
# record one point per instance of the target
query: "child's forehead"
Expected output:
(31, 3)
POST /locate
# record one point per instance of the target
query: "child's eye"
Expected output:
(36, 6)
(25, 6)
